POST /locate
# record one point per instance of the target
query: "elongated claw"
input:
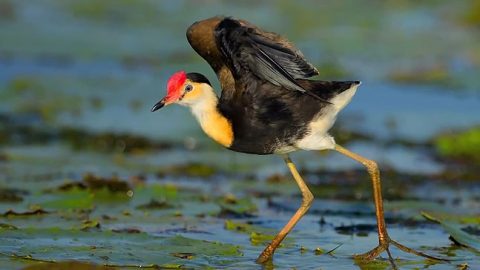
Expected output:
(384, 247)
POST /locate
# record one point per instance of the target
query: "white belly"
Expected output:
(318, 137)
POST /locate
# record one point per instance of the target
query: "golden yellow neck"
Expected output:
(213, 123)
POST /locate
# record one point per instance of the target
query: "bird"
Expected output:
(269, 105)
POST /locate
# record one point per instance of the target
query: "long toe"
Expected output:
(415, 252)
(382, 247)
(372, 254)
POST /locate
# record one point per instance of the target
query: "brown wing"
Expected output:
(235, 47)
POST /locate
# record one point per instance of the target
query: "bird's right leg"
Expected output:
(383, 237)
(306, 202)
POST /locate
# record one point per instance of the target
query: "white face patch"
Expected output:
(213, 123)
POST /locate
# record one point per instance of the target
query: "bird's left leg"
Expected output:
(306, 202)
(383, 238)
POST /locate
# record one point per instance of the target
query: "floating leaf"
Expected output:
(38, 211)
(456, 232)
(12, 195)
(111, 184)
(67, 265)
(90, 224)
(261, 239)
(236, 208)
(238, 226)
(127, 230)
(74, 199)
(145, 194)
(105, 247)
(184, 255)
(7, 226)
(189, 169)
(154, 204)
(258, 235)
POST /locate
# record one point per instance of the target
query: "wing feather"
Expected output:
(247, 52)
(239, 52)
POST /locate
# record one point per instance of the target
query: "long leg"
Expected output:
(306, 202)
(374, 172)
(383, 238)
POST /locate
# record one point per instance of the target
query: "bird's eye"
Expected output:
(188, 88)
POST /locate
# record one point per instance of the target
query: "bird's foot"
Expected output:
(384, 247)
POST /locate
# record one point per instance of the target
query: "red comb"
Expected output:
(174, 83)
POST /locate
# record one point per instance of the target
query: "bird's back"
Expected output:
(266, 93)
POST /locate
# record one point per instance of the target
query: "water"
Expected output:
(98, 67)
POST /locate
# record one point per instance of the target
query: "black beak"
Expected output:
(159, 105)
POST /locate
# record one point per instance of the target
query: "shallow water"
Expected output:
(74, 76)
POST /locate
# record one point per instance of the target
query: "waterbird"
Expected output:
(268, 105)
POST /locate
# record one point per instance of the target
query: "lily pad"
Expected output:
(114, 249)
(155, 204)
(73, 199)
(37, 211)
(67, 265)
(232, 207)
(258, 235)
(189, 169)
(458, 234)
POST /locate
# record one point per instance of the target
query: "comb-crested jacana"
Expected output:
(268, 106)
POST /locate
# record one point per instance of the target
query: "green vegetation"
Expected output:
(90, 179)
(472, 14)
(113, 249)
(12, 132)
(194, 169)
(115, 11)
(459, 232)
(462, 146)
(435, 75)
(106, 220)
(32, 95)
